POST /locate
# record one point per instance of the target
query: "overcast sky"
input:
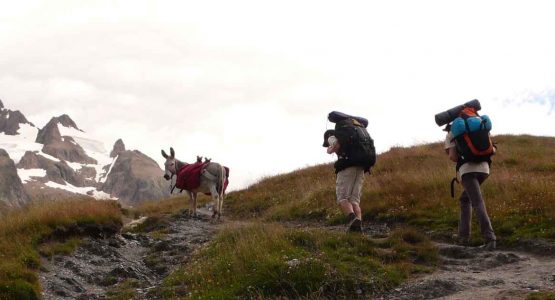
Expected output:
(250, 83)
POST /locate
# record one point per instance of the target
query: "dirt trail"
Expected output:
(472, 273)
(98, 266)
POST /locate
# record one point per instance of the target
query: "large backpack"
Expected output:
(357, 147)
(471, 133)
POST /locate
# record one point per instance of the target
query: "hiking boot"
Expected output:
(350, 219)
(460, 240)
(489, 245)
(356, 226)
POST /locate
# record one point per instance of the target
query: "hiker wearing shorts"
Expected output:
(348, 187)
(471, 175)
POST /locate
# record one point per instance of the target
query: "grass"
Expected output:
(158, 208)
(49, 249)
(258, 261)
(541, 296)
(158, 211)
(411, 185)
(49, 228)
(124, 291)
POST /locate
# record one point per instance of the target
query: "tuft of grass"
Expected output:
(411, 185)
(124, 291)
(41, 226)
(52, 248)
(261, 261)
(168, 206)
(549, 295)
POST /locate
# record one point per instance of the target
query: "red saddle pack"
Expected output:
(188, 177)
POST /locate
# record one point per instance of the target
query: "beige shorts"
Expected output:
(349, 184)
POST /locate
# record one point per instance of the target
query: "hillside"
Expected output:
(284, 237)
(411, 186)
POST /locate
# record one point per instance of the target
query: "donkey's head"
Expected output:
(170, 164)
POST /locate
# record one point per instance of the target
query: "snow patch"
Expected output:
(75, 166)
(48, 156)
(26, 174)
(102, 178)
(93, 148)
(81, 190)
(24, 140)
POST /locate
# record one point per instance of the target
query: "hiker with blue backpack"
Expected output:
(355, 156)
(468, 143)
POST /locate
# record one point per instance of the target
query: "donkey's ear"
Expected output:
(164, 154)
(172, 153)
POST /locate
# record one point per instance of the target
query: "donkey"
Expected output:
(212, 180)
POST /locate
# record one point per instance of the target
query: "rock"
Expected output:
(457, 252)
(50, 133)
(162, 246)
(136, 177)
(118, 148)
(68, 150)
(507, 258)
(66, 121)
(60, 291)
(76, 287)
(125, 272)
(12, 193)
(62, 147)
(293, 263)
(56, 171)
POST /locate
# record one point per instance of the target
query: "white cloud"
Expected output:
(250, 83)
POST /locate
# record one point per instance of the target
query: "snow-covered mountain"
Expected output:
(61, 160)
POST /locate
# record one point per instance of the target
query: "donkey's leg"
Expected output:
(191, 201)
(221, 205)
(195, 204)
(216, 199)
(221, 193)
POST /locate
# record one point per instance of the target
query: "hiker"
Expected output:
(473, 167)
(355, 156)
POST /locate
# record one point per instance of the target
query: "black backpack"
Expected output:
(357, 147)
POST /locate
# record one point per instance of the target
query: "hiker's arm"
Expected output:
(453, 155)
(333, 148)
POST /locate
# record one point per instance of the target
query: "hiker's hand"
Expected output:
(453, 155)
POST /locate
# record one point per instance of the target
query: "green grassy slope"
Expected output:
(411, 185)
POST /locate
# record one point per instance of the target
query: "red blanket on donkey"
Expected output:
(188, 177)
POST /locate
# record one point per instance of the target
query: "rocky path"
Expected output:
(100, 268)
(472, 273)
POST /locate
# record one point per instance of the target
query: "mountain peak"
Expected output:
(118, 148)
(66, 121)
(10, 120)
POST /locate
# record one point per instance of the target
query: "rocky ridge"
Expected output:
(10, 120)
(61, 160)
(12, 192)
